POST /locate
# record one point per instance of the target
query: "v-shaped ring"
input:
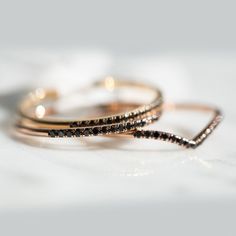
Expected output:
(182, 141)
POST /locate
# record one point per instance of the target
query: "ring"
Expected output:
(182, 141)
(35, 122)
(129, 123)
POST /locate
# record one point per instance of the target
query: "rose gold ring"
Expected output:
(128, 123)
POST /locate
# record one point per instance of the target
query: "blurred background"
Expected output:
(120, 26)
(188, 48)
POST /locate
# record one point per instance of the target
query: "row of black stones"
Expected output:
(104, 121)
(164, 137)
(93, 131)
(111, 120)
(206, 132)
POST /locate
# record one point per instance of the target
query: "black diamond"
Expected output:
(104, 120)
(132, 114)
(83, 123)
(91, 123)
(113, 128)
(128, 126)
(126, 118)
(95, 131)
(86, 132)
(147, 134)
(96, 122)
(61, 133)
(138, 134)
(177, 140)
(109, 121)
(104, 129)
(74, 124)
(151, 134)
(180, 141)
(143, 123)
(185, 142)
(164, 136)
(51, 133)
(117, 119)
(121, 128)
(68, 133)
(77, 133)
(100, 122)
(87, 122)
(156, 134)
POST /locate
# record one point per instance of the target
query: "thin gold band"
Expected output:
(113, 124)
(182, 141)
(39, 96)
(140, 133)
(129, 124)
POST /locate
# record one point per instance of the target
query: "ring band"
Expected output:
(146, 134)
(182, 141)
(37, 97)
(113, 124)
(129, 124)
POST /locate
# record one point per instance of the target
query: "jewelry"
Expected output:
(187, 143)
(146, 134)
(128, 124)
(35, 123)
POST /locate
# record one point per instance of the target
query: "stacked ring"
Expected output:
(34, 124)
(182, 141)
(129, 123)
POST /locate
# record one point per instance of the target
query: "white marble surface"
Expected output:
(110, 187)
